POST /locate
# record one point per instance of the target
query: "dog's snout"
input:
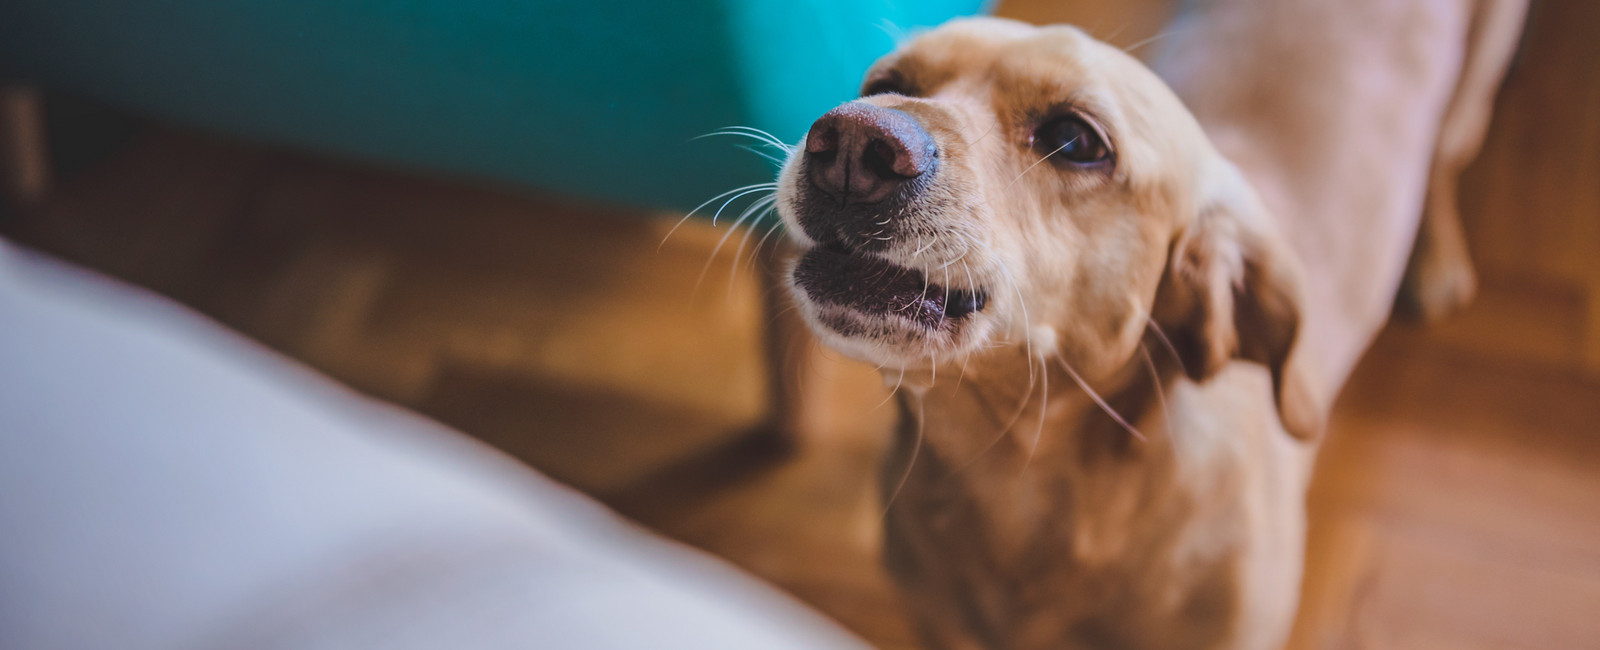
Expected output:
(860, 153)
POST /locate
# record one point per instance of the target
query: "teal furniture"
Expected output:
(597, 99)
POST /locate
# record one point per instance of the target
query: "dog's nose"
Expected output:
(861, 153)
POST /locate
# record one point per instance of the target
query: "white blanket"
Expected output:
(166, 484)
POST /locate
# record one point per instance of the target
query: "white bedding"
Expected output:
(167, 484)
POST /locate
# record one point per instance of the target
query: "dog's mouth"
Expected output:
(848, 286)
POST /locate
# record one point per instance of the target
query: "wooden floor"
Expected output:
(1456, 505)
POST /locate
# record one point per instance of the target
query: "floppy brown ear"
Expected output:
(1232, 290)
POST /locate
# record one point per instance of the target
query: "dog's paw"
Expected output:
(1439, 281)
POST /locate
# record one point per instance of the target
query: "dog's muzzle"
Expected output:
(863, 170)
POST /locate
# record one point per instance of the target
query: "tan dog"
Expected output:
(1098, 332)
(1006, 218)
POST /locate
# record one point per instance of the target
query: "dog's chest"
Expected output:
(1043, 555)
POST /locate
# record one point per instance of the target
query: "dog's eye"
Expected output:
(885, 86)
(1070, 139)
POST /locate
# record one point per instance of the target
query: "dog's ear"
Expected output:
(1232, 290)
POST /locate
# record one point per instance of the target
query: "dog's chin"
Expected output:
(882, 313)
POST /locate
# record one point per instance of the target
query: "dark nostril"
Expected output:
(824, 140)
(880, 158)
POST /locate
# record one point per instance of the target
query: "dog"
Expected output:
(999, 222)
(1098, 333)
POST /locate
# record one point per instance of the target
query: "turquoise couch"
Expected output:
(599, 100)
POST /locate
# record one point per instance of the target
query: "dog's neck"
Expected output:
(1037, 455)
(1025, 405)
(997, 481)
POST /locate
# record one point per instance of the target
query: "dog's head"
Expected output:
(1002, 187)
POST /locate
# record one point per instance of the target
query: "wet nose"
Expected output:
(860, 153)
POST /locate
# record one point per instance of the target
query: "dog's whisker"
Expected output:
(966, 358)
(1005, 427)
(754, 205)
(1129, 49)
(967, 270)
(765, 208)
(893, 31)
(777, 224)
(771, 185)
(730, 201)
(1116, 32)
(1166, 343)
(959, 258)
(911, 462)
(961, 377)
(1037, 163)
(1044, 408)
(750, 132)
(776, 160)
(921, 298)
(946, 302)
(893, 391)
(1161, 393)
(744, 131)
(879, 369)
(781, 312)
(1022, 303)
(1101, 402)
(763, 141)
(986, 132)
(765, 135)
(748, 211)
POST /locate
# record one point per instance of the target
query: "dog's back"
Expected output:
(1345, 116)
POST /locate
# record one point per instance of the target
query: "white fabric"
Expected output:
(166, 484)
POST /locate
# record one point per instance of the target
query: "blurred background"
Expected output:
(1457, 499)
